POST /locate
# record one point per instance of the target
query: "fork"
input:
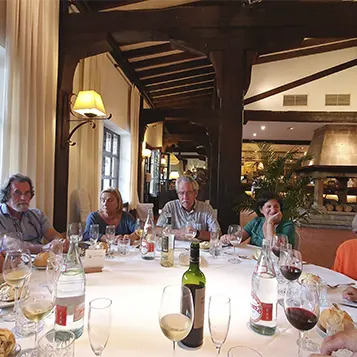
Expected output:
(337, 285)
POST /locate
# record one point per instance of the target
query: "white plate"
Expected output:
(5, 304)
(320, 331)
(39, 268)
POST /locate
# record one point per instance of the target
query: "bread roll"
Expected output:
(41, 259)
(338, 314)
(103, 245)
(310, 277)
(7, 342)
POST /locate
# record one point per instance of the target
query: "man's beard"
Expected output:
(21, 207)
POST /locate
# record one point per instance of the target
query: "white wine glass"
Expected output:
(94, 234)
(176, 313)
(190, 231)
(110, 235)
(53, 270)
(99, 322)
(37, 301)
(219, 319)
(235, 234)
(17, 267)
(12, 241)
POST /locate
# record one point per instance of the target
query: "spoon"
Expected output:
(337, 285)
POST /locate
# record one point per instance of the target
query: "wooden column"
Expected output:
(319, 192)
(230, 65)
(213, 168)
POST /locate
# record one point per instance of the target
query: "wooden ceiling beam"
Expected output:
(179, 76)
(299, 52)
(148, 51)
(185, 66)
(183, 89)
(324, 18)
(299, 116)
(188, 114)
(181, 82)
(185, 137)
(163, 60)
(191, 101)
(110, 4)
(279, 142)
(301, 81)
(187, 94)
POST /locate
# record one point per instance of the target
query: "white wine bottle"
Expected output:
(195, 280)
(167, 245)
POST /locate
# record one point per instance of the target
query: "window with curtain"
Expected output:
(110, 165)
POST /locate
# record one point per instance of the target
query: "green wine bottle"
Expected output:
(195, 280)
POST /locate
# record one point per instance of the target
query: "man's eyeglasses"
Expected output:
(18, 194)
(188, 193)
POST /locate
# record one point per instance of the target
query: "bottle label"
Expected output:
(260, 311)
(199, 303)
(147, 247)
(61, 315)
(165, 244)
(78, 312)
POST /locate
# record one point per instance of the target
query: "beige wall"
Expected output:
(153, 135)
(2, 22)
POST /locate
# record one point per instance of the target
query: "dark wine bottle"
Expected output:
(195, 280)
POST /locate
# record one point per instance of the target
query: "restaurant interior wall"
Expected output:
(270, 75)
(86, 156)
(153, 135)
(2, 22)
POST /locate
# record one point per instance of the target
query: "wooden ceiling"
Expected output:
(170, 74)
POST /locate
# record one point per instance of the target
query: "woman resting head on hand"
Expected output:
(111, 213)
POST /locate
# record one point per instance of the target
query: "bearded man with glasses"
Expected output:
(17, 216)
(187, 209)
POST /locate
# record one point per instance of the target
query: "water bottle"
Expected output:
(70, 292)
(148, 239)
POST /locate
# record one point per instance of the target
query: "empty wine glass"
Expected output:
(219, 319)
(12, 241)
(190, 230)
(235, 234)
(176, 312)
(278, 241)
(36, 302)
(94, 234)
(53, 269)
(17, 267)
(75, 229)
(302, 307)
(110, 235)
(99, 321)
(243, 351)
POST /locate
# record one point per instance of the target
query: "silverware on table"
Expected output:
(338, 285)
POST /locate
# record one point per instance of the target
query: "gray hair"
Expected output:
(6, 189)
(186, 178)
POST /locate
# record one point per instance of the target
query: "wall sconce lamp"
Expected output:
(146, 153)
(89, 105)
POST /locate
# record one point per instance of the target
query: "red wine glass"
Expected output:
(278, 241)
(290, 263)
(302, 307)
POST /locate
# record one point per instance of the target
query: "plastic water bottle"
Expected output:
(70, 292)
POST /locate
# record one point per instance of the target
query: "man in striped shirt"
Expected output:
(187, 209)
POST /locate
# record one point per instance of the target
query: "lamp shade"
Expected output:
(174, 160)
(89, 103)
(174, 175)
(146, 153)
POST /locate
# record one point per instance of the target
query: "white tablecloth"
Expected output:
(135, 286)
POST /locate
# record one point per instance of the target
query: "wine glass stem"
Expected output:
(218, 348)
(36, 334)
(301, 338)
(16, 297)
(174, 346)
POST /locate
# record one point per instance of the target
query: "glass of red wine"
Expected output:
(290, 263)
(302, 307)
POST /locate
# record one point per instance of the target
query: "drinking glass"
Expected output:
(17, 267)
(219, 319)
(123, 245)
(75, 229)
(190, 230)
(56, 247)
(290, 263)
(36, 302)
(215, 244)
(56, 344)
(99, 321)
(110, 235)
(243, 351)
(302, 308)
(235, 233)
(94, 234)
(12, 241)
(53, 270)
(176, 313)
(278, 241)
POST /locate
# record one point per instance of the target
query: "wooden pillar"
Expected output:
(142, 129)
(213, 168)
(318, 192)
(231, 73)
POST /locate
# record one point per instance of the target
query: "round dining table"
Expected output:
(135, 286)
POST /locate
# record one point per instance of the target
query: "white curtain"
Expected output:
(85, 158)
(134, 133)
(28, 120)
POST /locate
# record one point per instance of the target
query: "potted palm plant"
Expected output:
(277, 174)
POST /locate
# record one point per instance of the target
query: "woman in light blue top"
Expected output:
(111, 213)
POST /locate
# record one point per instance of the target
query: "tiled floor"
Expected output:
(318, 246)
